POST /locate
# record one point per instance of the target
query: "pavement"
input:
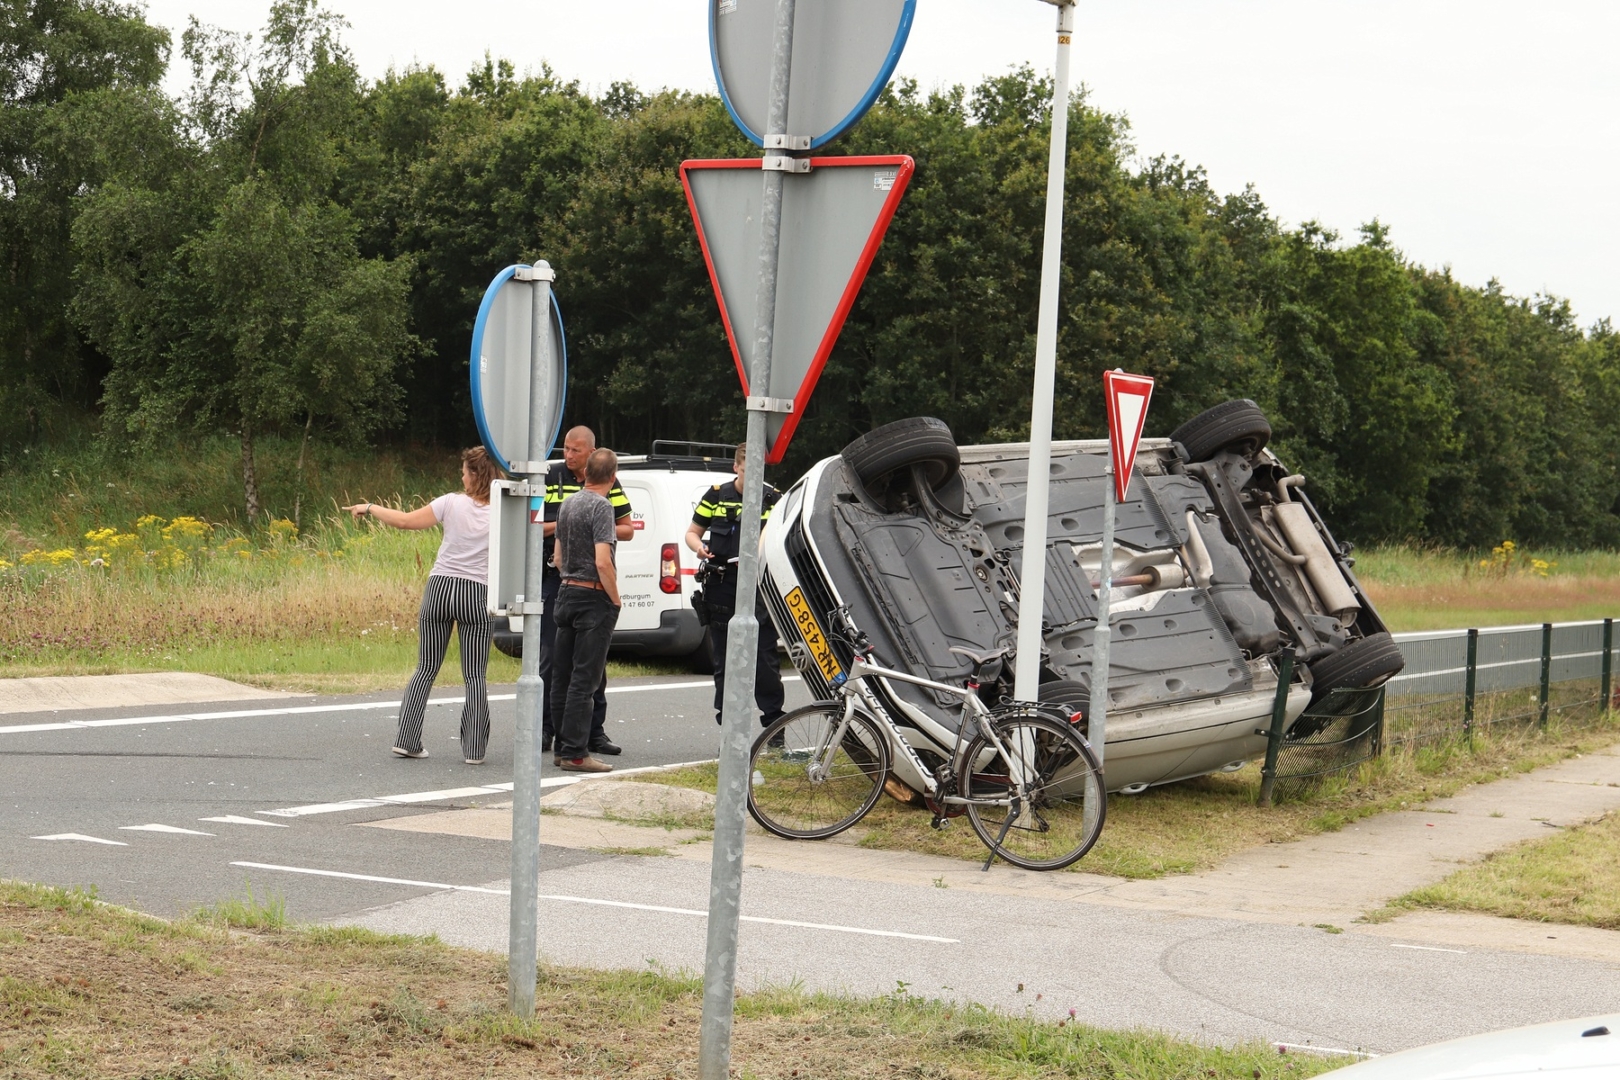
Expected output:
(1265, 946)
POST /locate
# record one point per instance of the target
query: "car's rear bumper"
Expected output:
(678, 634)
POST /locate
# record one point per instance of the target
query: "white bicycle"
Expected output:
(1022, 774)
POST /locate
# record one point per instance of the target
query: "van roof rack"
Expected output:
(684, 449)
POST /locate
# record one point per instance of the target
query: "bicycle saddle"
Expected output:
(979, 659)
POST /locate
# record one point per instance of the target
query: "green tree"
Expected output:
(242, 299)
(58, 59)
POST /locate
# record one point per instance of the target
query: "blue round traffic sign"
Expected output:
(503, 366)
(843, 54)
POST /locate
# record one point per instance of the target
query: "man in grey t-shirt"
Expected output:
(587, 609)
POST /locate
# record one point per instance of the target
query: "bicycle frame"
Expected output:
(854, 693)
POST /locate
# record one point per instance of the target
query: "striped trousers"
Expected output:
(447, 601)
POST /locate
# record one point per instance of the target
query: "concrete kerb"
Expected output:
(59, 693)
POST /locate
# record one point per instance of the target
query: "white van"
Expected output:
(655, 568)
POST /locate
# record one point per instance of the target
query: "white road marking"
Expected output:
(597, 902)
(752, 918)
(232, 819)
(452, 793)
(1431, 948)
(434, 796)
(323, 808)
(369, 877)
(80, 836)
(163, 829)
(1309, 1049)
(306, 710)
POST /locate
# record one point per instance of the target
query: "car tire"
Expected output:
(1367, 662)
(1070, 695)
(701, 659)
(917, 440)
(509, 643)
(1237, 425)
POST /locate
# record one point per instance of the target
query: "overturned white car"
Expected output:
(1221, 564)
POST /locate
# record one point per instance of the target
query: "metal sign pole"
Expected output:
(725, 874)
(1032, 580)
(522, 945)
(1097, 714)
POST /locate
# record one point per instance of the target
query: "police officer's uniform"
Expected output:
(561, 483)
(720, 513)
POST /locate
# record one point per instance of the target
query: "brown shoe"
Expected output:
(583, 764)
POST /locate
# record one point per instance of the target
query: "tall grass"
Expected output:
(1418, 588)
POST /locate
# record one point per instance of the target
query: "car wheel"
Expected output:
(1232, 425)
(1367, 662)
(701, 659)
(918, 440)
(1068, 694)
(509, 643)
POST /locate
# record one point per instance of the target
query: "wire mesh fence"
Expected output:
(1455, 682)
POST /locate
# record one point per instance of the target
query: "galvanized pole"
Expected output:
(1097, 714)
(725, 868)
(1032, 579)
(522, 946)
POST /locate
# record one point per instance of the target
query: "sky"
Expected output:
(1485, 135)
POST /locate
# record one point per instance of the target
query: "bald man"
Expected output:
(562, 481)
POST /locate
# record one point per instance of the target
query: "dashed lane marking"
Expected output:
(232, 819)
(1430, 948)
(155, 827)
(659, 908)
(80, 836)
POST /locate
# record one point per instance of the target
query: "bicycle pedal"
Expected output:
(940, 823)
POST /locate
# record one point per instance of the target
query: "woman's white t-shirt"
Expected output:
(464, 551)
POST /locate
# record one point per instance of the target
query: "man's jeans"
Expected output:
(585, 623)
(548, 646)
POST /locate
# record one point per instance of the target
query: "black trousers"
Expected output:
(585, 621)
(549, 724)
(768, 693)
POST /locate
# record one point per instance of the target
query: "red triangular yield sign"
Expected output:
(1127, 397)
(833, 220)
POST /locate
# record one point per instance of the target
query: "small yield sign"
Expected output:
(1127, 397)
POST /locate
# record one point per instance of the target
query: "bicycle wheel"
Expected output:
(806, 789)
(1062, 810)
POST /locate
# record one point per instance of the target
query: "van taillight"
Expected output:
(669, 569)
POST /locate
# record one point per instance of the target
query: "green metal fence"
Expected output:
(1456, 682)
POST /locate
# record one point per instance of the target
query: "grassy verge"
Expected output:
(1194, 825)
(89, 990)
(1573, 877)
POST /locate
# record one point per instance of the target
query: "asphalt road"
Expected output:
(100, 778)
(277, 785)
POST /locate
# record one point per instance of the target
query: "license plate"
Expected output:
(814, 639)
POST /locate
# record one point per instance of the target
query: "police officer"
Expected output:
(563, 480)
(720, 515)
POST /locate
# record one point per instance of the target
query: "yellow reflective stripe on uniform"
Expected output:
(710, 507)
(556, 493)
